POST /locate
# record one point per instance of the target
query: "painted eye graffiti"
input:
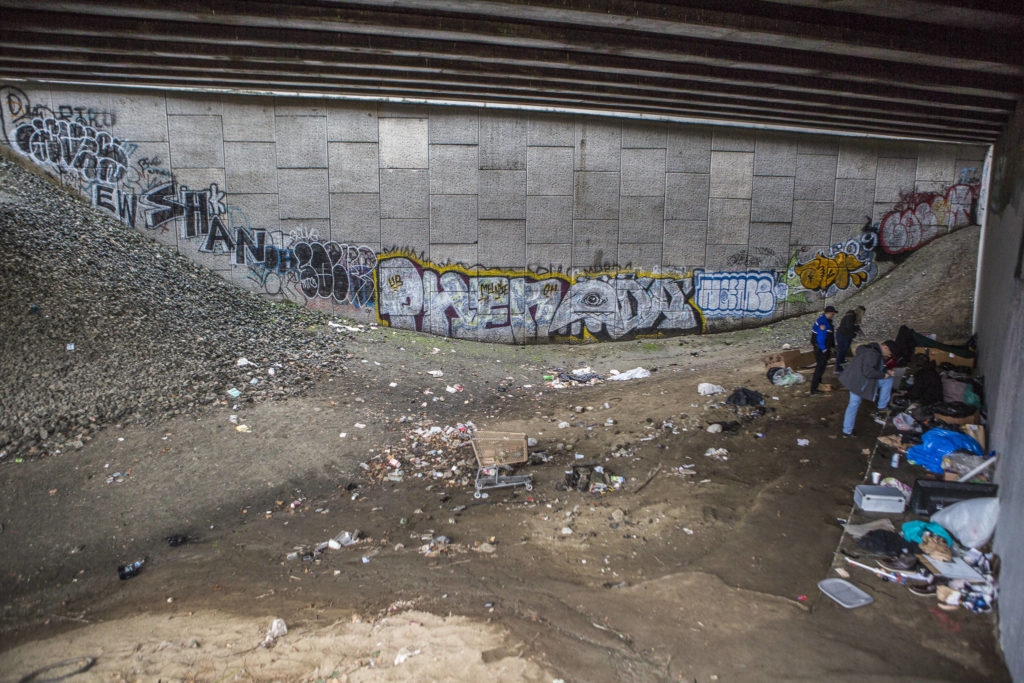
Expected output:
(593, 299)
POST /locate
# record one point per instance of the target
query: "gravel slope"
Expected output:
(153, 333)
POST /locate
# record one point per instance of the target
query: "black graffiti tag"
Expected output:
(95, 155)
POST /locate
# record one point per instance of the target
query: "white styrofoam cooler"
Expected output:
(879, 498)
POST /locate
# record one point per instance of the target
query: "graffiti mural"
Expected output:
(606, 302)
(843, 265)
(525, 307)
(337, 271)
(920, 217)
(742, 294)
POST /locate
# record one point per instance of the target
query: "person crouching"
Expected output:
(867, 379)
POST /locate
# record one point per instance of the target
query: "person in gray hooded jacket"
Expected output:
(867, 377)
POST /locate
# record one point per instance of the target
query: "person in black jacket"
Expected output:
(866, 377)
(849, 327)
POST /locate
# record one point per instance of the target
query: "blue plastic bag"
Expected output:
(938, 443)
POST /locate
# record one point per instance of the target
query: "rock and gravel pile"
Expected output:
(100, 325)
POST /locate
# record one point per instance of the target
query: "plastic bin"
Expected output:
(879, 499)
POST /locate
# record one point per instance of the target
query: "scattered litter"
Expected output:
(714, 428)
(563, 425)
(393, 385)
(70, 346)
(784, 377)
(271, 371)
(342, 435)
(435, 373)
(485, 548)
(566, 531)
(127, 571)
(429, 451)
(243, 428)
(277, 629)
(720, 454)
(803, 442)
(405, 654)
(635, 373)
(242, 362)
(117, 477)
(359, 425)
(234, 393)
(745, 397)
(708, 389)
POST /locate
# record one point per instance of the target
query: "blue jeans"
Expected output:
(842, 348)
(883, 391)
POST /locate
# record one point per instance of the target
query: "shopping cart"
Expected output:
(496, 452)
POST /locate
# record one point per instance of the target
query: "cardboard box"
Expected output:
(940, 356)
(792, 358)
(969, 420)
(977, 432)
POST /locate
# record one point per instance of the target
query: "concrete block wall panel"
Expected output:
(239, 181)
(1000, 329)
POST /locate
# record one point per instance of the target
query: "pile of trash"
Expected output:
(311, 553)
(558, 379)
(593, 479)
(441, 454)
(943, 556)
(784, 377)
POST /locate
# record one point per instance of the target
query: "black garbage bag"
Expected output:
(887, 543)
(953, 409)
(745, 397)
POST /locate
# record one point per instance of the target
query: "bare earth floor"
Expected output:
(707, 575)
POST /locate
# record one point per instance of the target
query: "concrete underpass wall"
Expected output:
(501, 226)
(1000, 327)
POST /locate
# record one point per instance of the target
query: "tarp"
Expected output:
(937, 444)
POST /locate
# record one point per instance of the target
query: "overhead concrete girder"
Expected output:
(933, 69)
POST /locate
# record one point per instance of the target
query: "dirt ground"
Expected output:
(698, 568)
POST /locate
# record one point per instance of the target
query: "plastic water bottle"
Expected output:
(127, 571)
(895, 461)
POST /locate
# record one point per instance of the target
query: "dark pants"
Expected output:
(842, 347)
(820, 363)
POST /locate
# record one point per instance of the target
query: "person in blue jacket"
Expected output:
(822, 340)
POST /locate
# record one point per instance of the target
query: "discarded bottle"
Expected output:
(895, 461)
(127, 571)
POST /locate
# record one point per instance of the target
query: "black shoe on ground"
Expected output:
(926, 590)
(844, 435)
(902, 563)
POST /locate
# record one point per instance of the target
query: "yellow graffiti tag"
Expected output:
(822, 272)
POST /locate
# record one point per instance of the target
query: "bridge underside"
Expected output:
(930, 69)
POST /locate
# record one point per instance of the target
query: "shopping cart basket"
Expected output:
(496, 452)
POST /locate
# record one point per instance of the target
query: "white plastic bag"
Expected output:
(904, 422)
(971, 521)
(635, 373)
(709, 389)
